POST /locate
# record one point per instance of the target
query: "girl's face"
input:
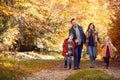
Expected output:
(91, 26)
(107, 39)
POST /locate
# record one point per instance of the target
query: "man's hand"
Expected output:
(76, 41)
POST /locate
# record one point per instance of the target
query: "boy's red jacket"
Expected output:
(65, 47)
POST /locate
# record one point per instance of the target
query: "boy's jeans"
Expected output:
(92, 53)
(68, 60)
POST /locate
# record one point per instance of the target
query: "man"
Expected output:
(80, 39)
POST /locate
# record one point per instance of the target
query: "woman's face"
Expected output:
(91, 26)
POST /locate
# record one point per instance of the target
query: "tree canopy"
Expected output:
(29, 22)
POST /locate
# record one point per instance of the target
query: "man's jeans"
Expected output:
(92, 54)
(77, 56)
(68, 59)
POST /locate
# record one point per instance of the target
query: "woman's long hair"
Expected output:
(90, 25)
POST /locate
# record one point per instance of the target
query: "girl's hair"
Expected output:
(90, 25)
(107, 37)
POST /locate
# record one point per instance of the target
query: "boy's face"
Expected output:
(71, 37)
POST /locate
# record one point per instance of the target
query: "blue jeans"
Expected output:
(68, 59)
(77, 56)
(92, 53)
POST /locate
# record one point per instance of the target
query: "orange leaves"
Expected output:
(46, 18)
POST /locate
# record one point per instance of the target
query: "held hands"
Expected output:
(76, 41)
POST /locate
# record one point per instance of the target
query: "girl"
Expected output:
(68, 51)
(107, 50)
(91, 40)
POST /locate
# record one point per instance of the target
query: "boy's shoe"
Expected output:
(69, 67)
(65, 67)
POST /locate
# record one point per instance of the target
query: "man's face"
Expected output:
(74, 23)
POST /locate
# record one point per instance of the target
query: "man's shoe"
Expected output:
(78, 68)
(75, 68)
(91, 67)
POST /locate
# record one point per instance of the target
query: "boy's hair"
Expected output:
(70, 35)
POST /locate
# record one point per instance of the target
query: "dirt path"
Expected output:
(59, 73)
(56, 73)
(114, 69)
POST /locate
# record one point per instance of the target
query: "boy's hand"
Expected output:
(115, 50)
(72, 58)
(86, 44)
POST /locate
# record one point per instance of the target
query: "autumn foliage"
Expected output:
(25, 23)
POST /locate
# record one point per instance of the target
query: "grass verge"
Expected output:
(90, 74)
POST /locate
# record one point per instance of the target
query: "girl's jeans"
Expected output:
(106, 59)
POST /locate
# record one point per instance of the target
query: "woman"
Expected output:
(68, 51)
(107, 50)
(91, 40)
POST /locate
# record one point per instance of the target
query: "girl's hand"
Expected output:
(115, 49)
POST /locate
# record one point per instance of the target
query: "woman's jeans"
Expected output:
(68, 60)
(92, 53)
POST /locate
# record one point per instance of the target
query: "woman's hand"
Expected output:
(102, 45)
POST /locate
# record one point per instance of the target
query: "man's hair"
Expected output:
(72, 20)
